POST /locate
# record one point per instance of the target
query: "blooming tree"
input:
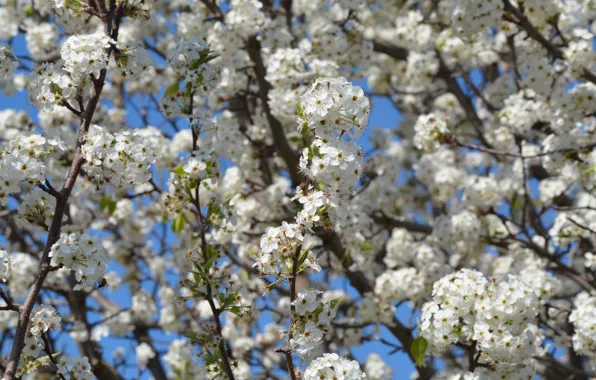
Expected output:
(195, 192)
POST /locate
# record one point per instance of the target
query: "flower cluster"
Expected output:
(191, 61)
(75, 369)
(144, 353)
(314, 317)
(22, 160)
(335, 163)
(84, 255)
(473, 16)
(332, 366)
(51, 86)
(85, 55)
(496, 314)
(122, 159)
(37, 208)
(41, 41)
(583, 318)
(200, 170)
(277, 245)
(143, 307)
(43, 319)
(400, 285)
(82, 56)
(132, 61)
(284, 67)
(429, 132)
(530, 269)
(332, 107)
(280, 244)
(180, 358)
(573, 106)
(376, 369)
(580, 55)
(458, 230)
(417, 266)
(246, 16)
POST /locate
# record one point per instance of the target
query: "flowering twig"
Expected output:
(288, 350)
(61, 205)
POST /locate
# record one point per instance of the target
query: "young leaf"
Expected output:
(333, 304)
(104, 202)
(178, 224)
(172, 89)
(418, 350)
(179, 171)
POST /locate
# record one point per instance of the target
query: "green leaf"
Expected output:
(178, 224)
(56, 90)
(28, 11)
(300, 110)
(46, 359)
(418, 350)
(209, 264)
(106, 202)
(172, 89)
(333, 304)
(303, 256)
(211, 252)
(73, 5)
(180, 171)
(111, 208)
(591, 170)
(124, 60)
(366, 245)
(31, 364)
(516, 204)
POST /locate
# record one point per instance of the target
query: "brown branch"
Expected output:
(141, 333)
(523, 21)
(71, 108)
(395, 52)
(466, 103)
(405, 224)
(9, 304)
(48, 350)
(589, 76)
(289, 156)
